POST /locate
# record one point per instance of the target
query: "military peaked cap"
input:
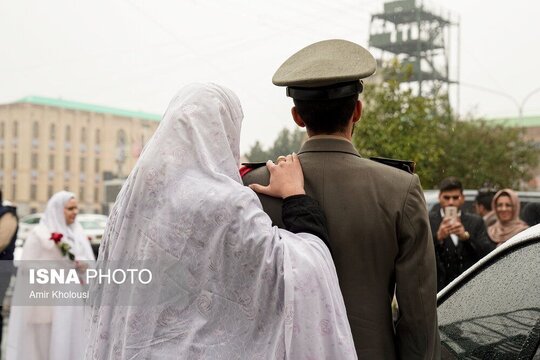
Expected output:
(328, 69)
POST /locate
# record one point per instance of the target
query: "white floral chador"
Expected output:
(242, 289)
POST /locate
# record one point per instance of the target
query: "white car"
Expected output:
(26, 223)
(93, 226)
(492, 310)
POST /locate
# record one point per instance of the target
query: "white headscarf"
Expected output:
(55, 221)
(244, 289)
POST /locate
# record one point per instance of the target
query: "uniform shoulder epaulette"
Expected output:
(405, 165)
(248, 166)
(254, 165)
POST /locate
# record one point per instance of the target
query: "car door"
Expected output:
(494, 311)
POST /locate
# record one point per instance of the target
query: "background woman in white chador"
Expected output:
(51, 332)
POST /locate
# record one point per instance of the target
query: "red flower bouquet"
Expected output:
(64, 247)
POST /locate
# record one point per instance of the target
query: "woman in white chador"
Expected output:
(239, 288)
(50, 332)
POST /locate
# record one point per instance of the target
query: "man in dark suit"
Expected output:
(460, 238)
(377, 217)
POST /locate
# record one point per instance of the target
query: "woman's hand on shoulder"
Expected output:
(286, 178)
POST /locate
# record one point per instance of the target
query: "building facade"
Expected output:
(48, 145)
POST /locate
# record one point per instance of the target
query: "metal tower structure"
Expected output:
(419, 37)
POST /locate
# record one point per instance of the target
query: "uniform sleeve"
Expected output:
(302, 213)
(417, 334)
(8, 226)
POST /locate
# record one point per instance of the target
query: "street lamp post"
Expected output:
(525, 100)
(519, 105)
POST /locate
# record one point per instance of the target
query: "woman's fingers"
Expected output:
(286, 177)
(260, 189)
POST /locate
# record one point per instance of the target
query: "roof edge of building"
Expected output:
(525, 121)
(74, 105)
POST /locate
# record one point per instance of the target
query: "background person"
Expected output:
(50, 332)
(482, 205)
(460, 240)
(228, 285)
(506, 205)
(531, 213)
(8, 237)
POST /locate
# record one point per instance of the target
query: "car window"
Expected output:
(496, 314)
(90, 225)
(32, 220)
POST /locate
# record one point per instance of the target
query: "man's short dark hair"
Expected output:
(326, 116)
(484, 198)
(450, 183)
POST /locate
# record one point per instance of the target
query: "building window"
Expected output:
(33, 192)
(2, 129)
(83, 135)
(98, 137)
(96, 195)
(34, 161)
(35, 130)
(81, 194)
(15, 129)
(68, 133)
(53, 132)
(83, 165)
(96, 166)
(13, 191)
(51, 162)
(2, 161)
(67, 162)
(14, 160)
(49, 191)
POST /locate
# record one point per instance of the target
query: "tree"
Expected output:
(500, 155)
(286, 142)
(398, 124)
(257, 153)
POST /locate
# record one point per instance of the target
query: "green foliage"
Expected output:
(286, 142)
(398, 124)
(491, 153)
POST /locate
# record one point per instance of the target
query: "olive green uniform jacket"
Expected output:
(381, 241)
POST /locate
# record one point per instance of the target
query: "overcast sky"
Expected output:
(135, 54)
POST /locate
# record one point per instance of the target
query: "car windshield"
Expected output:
(91, 225)
(31, 220)
(495, 314)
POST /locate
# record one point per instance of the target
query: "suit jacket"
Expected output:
(381, 241)
(452, 260)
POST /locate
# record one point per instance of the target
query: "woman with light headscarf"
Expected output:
(51, 332)
(506, 205)
(235, 287)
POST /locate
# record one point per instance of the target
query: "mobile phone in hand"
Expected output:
(450, 212)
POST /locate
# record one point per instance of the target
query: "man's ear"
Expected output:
(357, 113)
(297, 118)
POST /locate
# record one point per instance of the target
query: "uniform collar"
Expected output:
(324, 143)
(337, 137)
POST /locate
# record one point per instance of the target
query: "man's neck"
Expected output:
(328, 136)
(346, 135)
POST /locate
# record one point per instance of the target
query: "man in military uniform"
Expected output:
(377, 218)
